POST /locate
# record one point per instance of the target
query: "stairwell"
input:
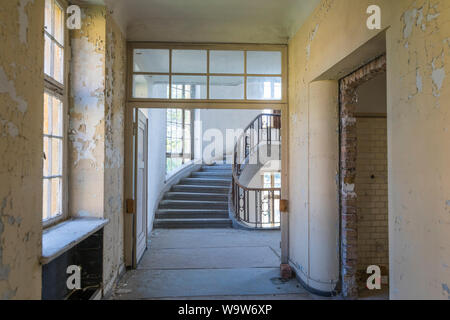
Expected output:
(199, 201)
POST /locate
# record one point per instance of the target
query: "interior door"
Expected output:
(141, 165)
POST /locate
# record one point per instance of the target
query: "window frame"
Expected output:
(58, 90)
(170, 103)
(181, 155)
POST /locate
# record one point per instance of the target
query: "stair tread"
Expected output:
(195, 220)
(191, 193)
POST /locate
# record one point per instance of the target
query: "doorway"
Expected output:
(363, 178)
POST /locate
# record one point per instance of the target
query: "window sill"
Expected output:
(66, 235)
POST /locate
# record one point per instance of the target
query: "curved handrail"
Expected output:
(264, 198)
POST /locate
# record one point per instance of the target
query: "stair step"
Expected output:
(191, 214)
(182, 204)
(211, 174)
(192, 223)
(206, 181)
(201, 189)
(215, 168)
(195, 196)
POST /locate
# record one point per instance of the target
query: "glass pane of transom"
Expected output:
(189, 61)
(264, 88)
(227, 87)
(189, 87)
(226, 62)
(151, 60)
(264, 62)
(151, 86)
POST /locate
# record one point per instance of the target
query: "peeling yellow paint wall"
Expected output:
(113, 262)
(87, 115)
(418, 94)
(21, 113)
(98, 73)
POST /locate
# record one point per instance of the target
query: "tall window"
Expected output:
(179, 138)
(53, 127)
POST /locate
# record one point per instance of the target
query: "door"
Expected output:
(141, 165)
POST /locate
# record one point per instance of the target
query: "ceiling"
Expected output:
(218, 21)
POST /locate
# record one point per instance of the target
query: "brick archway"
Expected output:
(347, 166)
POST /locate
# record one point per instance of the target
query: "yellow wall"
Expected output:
(97, 130)
(21, 114)
(418, 50)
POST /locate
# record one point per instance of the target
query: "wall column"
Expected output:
(323, 229)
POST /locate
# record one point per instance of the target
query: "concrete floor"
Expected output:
(210, 264)
(213, 264)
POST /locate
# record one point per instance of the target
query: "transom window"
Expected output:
(207, 74)
(179, 136)
(54, 113)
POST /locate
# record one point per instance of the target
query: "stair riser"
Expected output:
(211, 175)
(181, 215)
(222, 206)
(196, 196)
(207, 182)
(191, 225)
(200, 189)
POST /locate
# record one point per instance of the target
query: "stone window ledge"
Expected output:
(66, 235)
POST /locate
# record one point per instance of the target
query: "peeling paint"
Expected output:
(408, 20)
(7, 86)
(419, 84)
(8, 128)
(311, 38)
(438, 76)
(23, 20)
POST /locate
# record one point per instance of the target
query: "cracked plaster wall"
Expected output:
(21, 113)
(97, 130)
(418, 58)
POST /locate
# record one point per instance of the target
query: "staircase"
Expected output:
(199, 201)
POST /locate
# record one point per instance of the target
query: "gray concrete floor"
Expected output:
(210, 264)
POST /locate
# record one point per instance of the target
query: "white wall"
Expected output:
(223, 120)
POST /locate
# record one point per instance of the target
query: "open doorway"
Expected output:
(214, 192)
(364, 187)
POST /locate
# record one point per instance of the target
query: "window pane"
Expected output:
(47, 56)
(154, 86)
(48, 16)
(226, 88)
(47, 106)
(59, 25)
(56, 200)
(189, 61)
(264, 88)
(264, 62)
(187, 117)
(226, 62)
(47, 155)
(151, 60)
(57, 120)
(56, 157)
(58, 63)
(45, 199)
(189, 87)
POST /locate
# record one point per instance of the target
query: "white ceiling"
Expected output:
(227, 21)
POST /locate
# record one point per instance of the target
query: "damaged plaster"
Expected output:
(415, 36)
(21, 90)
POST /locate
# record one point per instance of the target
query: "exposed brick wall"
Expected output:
(371, 188)
(348, 197)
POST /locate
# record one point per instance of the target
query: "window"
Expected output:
(54, 41)
(179, 133)
(207, 74)
(54, 113)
